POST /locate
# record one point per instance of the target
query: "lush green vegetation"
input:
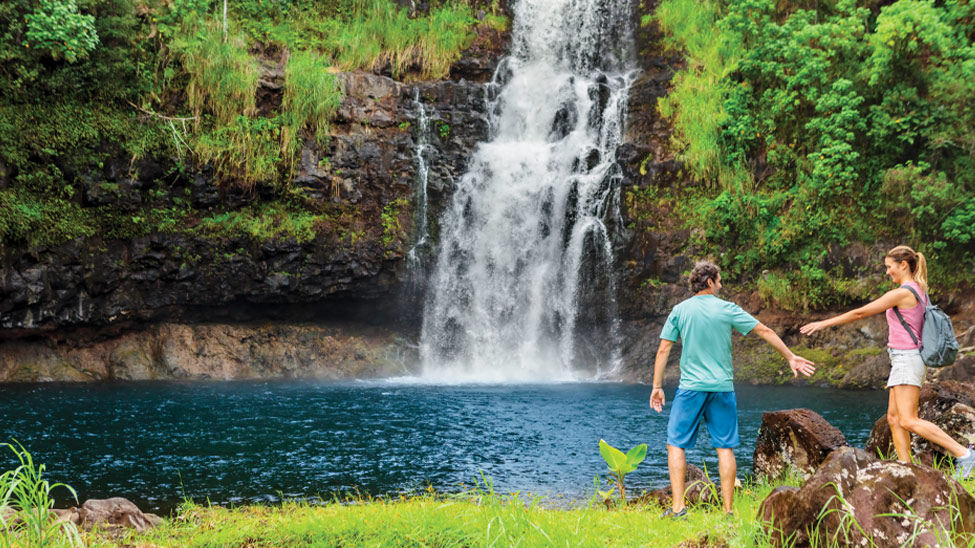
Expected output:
(92, 86)
(25, 505)
(475, 518)
(817, 124)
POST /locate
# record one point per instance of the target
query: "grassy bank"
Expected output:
(476, 518)
(429, 520)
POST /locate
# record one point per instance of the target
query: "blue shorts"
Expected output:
(720, 413)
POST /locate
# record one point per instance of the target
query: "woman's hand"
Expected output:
(813, 327)
(657, 399)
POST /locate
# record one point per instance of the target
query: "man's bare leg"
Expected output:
(677, 465)
(727, 468)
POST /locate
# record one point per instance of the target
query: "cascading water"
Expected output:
(525, 242)
(414, 257)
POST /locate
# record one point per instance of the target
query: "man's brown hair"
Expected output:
(703, 271)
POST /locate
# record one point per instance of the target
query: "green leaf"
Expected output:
(636, 455)
(613, 456)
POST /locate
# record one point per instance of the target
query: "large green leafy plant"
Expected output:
(620, 465)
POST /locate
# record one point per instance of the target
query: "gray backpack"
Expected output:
(938, 344)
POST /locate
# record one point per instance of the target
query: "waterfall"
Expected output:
(414, 257)
(522, 288)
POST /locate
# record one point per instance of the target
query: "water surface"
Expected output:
(237, 442)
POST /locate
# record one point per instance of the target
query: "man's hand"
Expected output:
(657, 399)
(801, 365)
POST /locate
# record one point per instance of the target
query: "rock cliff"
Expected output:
(103, 307)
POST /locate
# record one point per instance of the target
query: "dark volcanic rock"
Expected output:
(893, 504)
(870, 375)
(948, 404)
(963, 370)
(794, 438)
(368, 164)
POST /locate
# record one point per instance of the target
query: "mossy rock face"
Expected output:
(214, 351)
(132, 361)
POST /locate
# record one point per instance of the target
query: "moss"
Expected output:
(757, 363)
(393, 233)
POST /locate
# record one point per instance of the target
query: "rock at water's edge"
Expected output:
(892, 503)
(794, 438)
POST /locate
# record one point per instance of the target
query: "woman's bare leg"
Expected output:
(901, 437)
(906, 397)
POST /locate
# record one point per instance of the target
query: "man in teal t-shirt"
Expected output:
(704, 323)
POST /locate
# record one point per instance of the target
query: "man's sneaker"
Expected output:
(965, 465)
(670, 514)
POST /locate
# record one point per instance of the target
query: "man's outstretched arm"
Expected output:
(798, 364)
(657, 399)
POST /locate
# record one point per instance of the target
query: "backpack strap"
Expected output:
(901, 318)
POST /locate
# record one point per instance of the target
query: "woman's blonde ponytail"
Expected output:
(921, 273)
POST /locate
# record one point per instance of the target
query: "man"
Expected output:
(706, 390)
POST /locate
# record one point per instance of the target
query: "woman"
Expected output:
(906, 268)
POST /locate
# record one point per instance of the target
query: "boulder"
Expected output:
(71, 515)
(114, 513)
(948, 404)
(855, 499)
(963, 370)
(698, 489)
(794, 438)
(870, 375)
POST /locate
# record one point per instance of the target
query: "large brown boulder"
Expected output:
(963, 370)
(71, 515)
(855, 499)
(115, 513)
(794, 438)
(871, 374)
(948, 404)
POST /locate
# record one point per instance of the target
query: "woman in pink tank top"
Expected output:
(907, 269)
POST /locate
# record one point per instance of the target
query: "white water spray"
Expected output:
(414, 257)
(525, 242)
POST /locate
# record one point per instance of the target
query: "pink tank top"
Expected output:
(899, 339)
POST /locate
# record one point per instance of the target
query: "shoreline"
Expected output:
(478, 517)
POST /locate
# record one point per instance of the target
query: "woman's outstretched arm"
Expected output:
(894, 297)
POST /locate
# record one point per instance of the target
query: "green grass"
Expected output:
(696, 101)
(25, 503)
(222, 75)
(379, 32)
(311, 93)
(475, 518)
(270, 221)
(339, 226)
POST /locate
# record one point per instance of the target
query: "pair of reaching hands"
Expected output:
(798, 364)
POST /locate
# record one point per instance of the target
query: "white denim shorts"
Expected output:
(906, 367)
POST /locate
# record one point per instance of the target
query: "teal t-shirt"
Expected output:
(704, 324)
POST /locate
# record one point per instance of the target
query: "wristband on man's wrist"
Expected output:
(658, 387)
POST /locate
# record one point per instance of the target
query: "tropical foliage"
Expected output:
(816, 125)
